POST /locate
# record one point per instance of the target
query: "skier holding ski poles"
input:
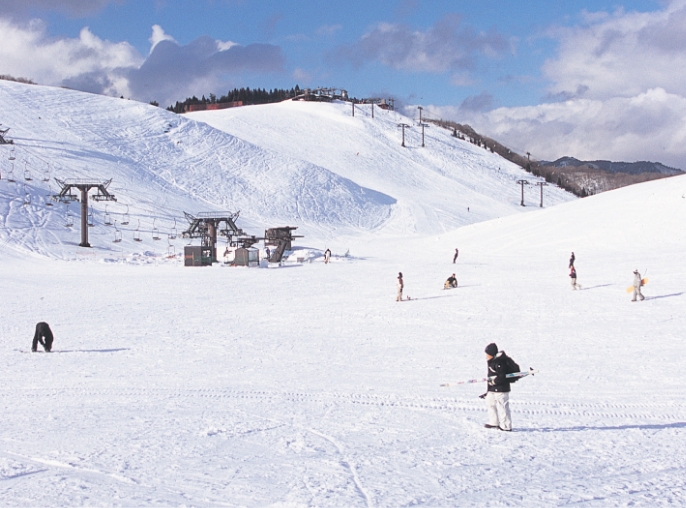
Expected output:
(498, 394)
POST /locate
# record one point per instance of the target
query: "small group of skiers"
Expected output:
(637, 284)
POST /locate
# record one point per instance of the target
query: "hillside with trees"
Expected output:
(583, 179)
(247, 96)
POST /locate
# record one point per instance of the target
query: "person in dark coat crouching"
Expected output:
(498, 394)
(44, 336)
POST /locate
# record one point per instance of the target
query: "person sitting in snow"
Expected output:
(451, 282)
(638, 283)
(44, 336)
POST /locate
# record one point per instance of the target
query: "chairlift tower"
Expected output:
(522, 183)
(541, 185)
(403, 125)
(65, 196)
(423, 125)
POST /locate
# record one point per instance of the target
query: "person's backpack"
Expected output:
(510, 368)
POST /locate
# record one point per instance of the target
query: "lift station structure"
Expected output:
(66, 196)
(209, 225)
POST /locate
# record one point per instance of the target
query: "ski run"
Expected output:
(307, 384)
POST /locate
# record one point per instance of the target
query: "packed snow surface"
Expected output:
(307, 384)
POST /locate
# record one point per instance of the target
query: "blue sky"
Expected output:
(502, 66)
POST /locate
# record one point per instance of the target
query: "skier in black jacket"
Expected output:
(498, 394)
(42, 332)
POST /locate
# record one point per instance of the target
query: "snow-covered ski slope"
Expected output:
(308, 385)
(433, 185)
(162, 164)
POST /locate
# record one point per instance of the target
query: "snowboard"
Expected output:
(484, 379)
(644, 281)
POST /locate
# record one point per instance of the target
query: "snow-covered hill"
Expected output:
(308, 385)
(305, 165)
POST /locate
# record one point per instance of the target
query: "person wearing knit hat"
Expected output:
(498, 394)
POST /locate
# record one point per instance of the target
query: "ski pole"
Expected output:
(485, 379)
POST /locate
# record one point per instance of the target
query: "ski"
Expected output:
(485, 379)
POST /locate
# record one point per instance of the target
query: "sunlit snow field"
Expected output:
(307, 384)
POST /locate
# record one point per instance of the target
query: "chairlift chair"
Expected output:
(117, 233)
(12, 157)
(174, 232)
(10, 174)
(27, 199)
(69, 219)
(155, 231)
(108, 219)
(91, 221)
(171, 251)
(126, 219)
(27, 173)
(137, 233)
(46, 174)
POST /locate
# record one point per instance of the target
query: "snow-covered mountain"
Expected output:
(308, 384)
(299, 164)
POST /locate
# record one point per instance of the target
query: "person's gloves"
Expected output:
(483, 395)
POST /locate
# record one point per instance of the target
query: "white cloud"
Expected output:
(158, 35)
(621, 54)
(28, 51)
(619, 82)
(169, 72)
(648, 126)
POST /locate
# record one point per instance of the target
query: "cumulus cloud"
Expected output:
(169, 72)
(173, 71)
(448, 46)
(28, 51)
(621, 54)
(159, 35)
(648, 126)
(73, 7)
(617, 91)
